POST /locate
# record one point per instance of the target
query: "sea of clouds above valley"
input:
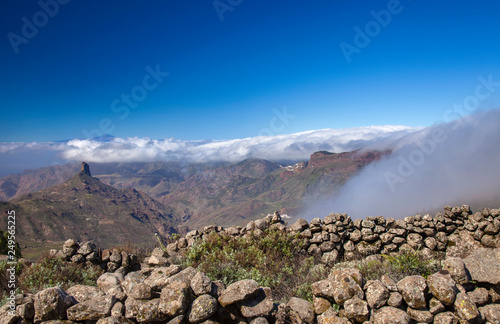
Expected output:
(292, 147)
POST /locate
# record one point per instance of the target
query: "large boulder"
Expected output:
(174, 299)
(110, 281)
(52, 304)
(413, 289)
(345, 285)
(260, 304)
(356, 310)
(158, 278)
(457, 270)
(92, 309)
(324, 289)
(377, 294)
(484, 265)
(303, 309)
(185, 275)
(238, 291)
(202, 308)
(83, 293)
(443, 287)
(201, 284)
(466, 309)
(491, 313)
(390, 315)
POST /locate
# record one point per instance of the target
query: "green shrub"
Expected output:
(273, 260)
(5, 247)
(52, 271)
(397, 266)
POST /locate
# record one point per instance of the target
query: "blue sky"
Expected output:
(231, 73)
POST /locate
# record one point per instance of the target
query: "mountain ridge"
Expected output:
(87, 209)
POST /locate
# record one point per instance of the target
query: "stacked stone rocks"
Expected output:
(338, 237)
(87, 252)
(447, 296)
(169, 294)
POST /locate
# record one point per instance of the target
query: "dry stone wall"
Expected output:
(338, 237)
(467, 290)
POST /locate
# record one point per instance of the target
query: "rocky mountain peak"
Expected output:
(85, 169)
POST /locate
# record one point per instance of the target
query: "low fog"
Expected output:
(452, 163)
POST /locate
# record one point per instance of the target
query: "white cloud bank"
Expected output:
(292, 147)
(457, 162)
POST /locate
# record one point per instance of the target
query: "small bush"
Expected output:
(273, 260)
(397, 266)
(53, 271)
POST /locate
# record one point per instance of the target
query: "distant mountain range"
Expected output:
(132, 201)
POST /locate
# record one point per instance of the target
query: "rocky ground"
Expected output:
(466, 290)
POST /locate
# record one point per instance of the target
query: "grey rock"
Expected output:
(345, 287)
(491, 313)
(356, 310)
(238, 291)
(92, 309)
(108, 281)
(390, 315)
(158, 278)
(185, 276)
(466, 309)
(201, 284)
(260, 304)
(395, 299)
(174, 299)
(389, 283)
(131, 280)
(87, 248)
(52, 303)
(479, 296)
(202, 308)
(118, 310)
(324, 289)
(83, 293)
(420, 316)
(141, 291)
(303, 309)
(114, 320)
(484, 265)
(457, 270)
(330, 258)
(377, 294)
(321, 305)
(435, 306)
(413, 290)
(446, 318)
(443, 287)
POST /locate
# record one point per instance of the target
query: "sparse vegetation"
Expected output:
(49, 271)
(397, 266)
(272, 260)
